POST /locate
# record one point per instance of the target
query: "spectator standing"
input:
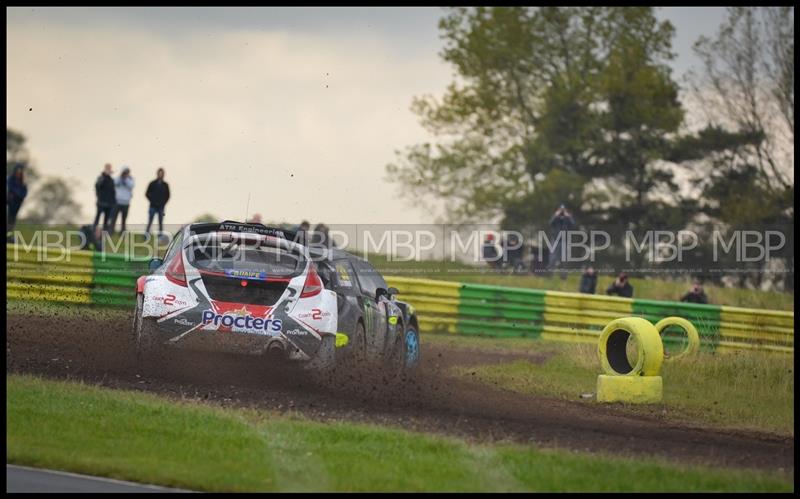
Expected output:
(256, 219)
(561, 222)
(489, 251)
(124, 192)
(588, 281)
(304, 226)
(16, 192)
(158, 195)
(301, 230)
(106, 197)
(695, 294)
(621, 286)
(514, 249)
(323, 235)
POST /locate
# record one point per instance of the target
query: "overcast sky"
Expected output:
(298, 108)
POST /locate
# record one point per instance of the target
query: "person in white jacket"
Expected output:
(124, 189)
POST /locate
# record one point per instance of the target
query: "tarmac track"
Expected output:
(97, 350)
(24, 479)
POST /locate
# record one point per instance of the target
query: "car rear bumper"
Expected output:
(228, 342)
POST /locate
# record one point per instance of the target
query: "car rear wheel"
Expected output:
(144, 341)
(358, 356)
(324, 361)
(404, 355)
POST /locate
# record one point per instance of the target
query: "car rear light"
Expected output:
(313, 284)
(175, 272)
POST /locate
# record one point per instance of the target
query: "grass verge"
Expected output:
(141, 437)
(743, 390)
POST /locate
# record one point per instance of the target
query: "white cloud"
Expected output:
(226, 113)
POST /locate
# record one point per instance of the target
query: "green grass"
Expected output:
(145, 438)
(744, 390)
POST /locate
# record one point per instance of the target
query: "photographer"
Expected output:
(695, 294)
(124, 190)
(621, 287)
(561, 222)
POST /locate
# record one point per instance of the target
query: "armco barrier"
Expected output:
(56, 275)
(477, 309)
(442, 306)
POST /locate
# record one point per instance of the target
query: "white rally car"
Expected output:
(237, 287)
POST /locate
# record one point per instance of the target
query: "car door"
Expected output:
(374, 312)
(342, 280)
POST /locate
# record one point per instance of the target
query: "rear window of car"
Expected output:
(343, 278)
(235, 258)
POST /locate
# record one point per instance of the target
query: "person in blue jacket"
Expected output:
(588, 281)
(16, 192)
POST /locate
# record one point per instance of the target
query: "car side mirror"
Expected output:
(381, 292)
(155, 263)
(392, 292)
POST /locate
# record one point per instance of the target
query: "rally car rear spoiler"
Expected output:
(255, 228)
(212, 235)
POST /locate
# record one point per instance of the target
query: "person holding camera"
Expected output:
(561, 222)
(124, 191)
(621, 287)
(695, 294)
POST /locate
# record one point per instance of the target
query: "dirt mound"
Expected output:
(98, 350)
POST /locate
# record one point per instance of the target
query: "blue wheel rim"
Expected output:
(412, 348)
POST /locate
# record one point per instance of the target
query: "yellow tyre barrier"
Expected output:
(613, 342)
(631, 389)
(693, 343)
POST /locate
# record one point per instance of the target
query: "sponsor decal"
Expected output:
(344, 276)
(246, 274)
(393, 320)
(184, 322)
(315, 314)
(368, 316)
(242, 321)
(168, 299)
(266, 231)
(296, 332)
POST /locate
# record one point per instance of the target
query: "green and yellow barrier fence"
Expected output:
(86, 277)
(478, 309)
(442, 306)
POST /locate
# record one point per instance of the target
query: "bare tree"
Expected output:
(746, 86)
(747, 83)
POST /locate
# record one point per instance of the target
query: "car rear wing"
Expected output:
(251, 228)
(247, 238)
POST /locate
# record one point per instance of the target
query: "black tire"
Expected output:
(358, 354)
(324, 361)
(404, 354)
(144, 341)
(137, 318)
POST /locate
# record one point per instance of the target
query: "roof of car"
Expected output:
(332, 253)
